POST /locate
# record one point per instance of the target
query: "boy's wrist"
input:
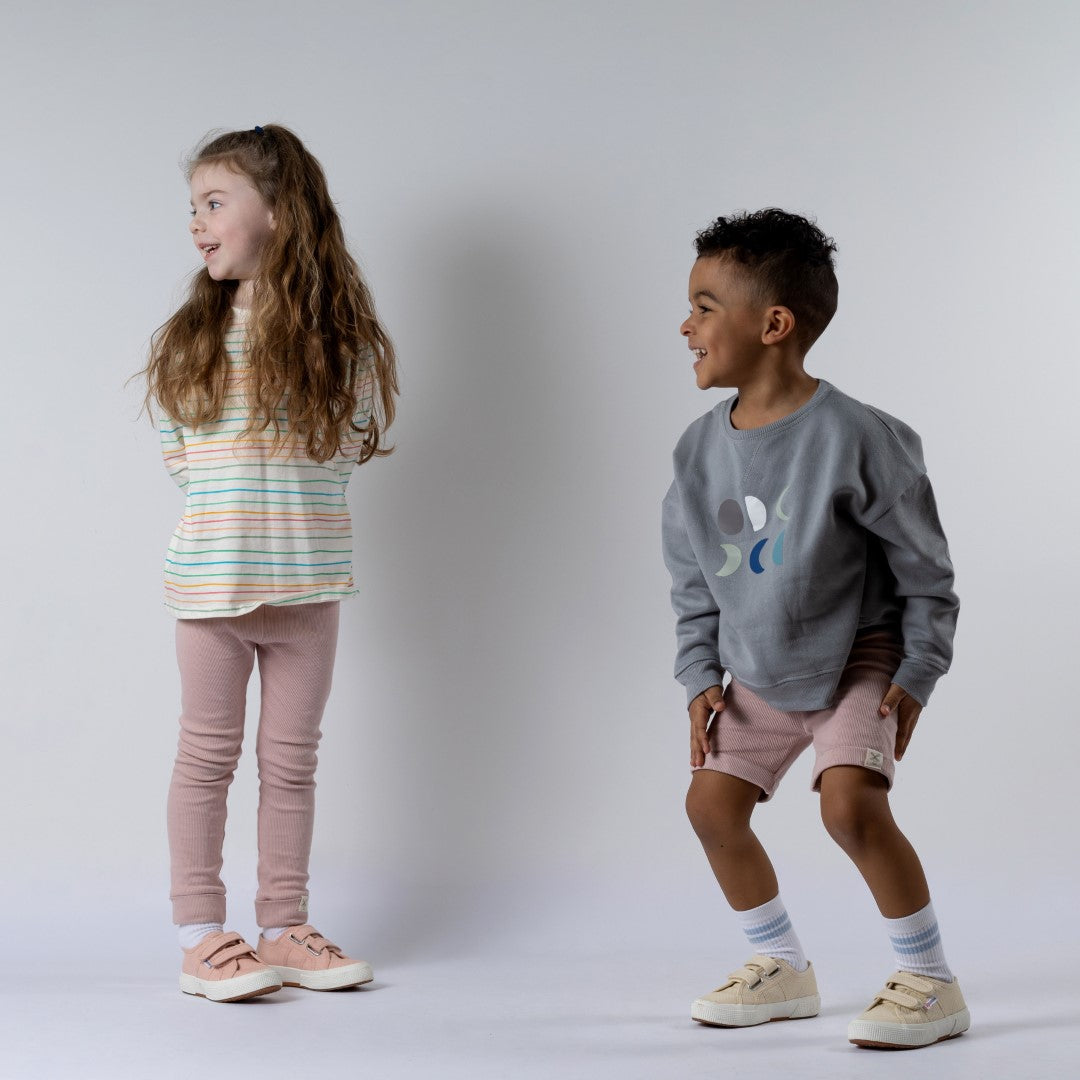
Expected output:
(699, 676)
(917, 679)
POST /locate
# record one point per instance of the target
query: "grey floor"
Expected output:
(532, 1014)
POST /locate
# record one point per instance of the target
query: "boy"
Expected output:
(807, 563)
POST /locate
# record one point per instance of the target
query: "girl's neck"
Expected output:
(244, 295)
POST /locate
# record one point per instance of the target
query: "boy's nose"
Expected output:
(685, 328)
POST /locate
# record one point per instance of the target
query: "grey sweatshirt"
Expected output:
(784, 541)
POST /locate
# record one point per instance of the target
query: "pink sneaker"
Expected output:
(303, 957)
(224, 967)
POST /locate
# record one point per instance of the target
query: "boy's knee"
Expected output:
(711, 820)
(853, 822)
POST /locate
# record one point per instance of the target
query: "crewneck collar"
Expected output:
(824, 389)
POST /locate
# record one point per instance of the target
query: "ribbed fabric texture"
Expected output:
(295, 648)
(769, 931)
(916, 943)
(257, 529)
(758, 743)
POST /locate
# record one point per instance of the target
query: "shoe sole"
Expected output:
(876, 1036)
(341, 978)
(713, 1014)
(227, 990)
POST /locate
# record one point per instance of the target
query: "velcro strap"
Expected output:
(317, 943)
(909, 981)
(898, 997)
(232, 952)
(223, 942)
(745, 975)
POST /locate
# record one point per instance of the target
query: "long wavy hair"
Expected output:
(314, 342)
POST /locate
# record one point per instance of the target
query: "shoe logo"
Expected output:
(929, 1002)
(874, 759)
(302, 906)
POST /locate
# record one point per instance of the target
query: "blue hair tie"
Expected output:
(258, 130)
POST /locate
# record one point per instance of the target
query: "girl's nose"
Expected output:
(195, 225)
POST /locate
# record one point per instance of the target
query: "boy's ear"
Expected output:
(779, 324)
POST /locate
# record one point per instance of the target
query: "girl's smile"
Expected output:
(230, 224)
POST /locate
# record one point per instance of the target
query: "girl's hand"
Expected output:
(705, 707)
(907, 715)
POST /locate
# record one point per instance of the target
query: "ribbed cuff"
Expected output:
(291, 912)
(918, 679)
(699, 677)
(198, 908)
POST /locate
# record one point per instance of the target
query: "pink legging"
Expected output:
(295, 647)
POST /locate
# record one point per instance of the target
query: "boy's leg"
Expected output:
(777, 983)
(921, 1003)
(856, 812)
(215, 663)
(719, 807)
(296, 664)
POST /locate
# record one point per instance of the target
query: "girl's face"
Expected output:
(231, 224)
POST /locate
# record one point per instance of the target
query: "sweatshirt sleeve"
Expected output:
(697, 617)
(353, 441)
(174, 451)
(918, 555)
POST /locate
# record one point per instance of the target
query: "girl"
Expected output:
(274, 379)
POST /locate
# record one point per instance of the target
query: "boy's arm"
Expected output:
(918, 555)
(173, 450)
(697, 664)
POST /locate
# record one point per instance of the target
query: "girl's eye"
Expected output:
(213, 203)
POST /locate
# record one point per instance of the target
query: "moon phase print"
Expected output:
(733, 518)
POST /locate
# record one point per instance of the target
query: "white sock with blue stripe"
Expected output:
(768, 929)
(916, 942)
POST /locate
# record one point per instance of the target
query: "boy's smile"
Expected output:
(230, 223)
(724, 327)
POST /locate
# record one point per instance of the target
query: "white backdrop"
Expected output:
(504, 755)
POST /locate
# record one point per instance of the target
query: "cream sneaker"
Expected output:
(912, 1010)
(764, 989)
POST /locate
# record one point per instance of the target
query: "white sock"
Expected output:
(272, 933)
(192, 933)
(768, 929)
(916, 944)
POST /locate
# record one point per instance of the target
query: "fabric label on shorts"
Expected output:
(874, 759)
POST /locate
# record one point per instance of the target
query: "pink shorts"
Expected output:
(757, 743)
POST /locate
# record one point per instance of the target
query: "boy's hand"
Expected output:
(708, 704)
(907, 715)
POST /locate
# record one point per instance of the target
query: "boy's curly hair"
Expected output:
(784, 259)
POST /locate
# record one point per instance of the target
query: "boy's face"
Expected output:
(725, 325)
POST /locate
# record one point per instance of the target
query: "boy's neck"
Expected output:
(770, 397)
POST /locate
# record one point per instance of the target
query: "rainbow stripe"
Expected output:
(257, 529)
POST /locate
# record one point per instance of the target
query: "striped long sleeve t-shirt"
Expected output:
(258, 528)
